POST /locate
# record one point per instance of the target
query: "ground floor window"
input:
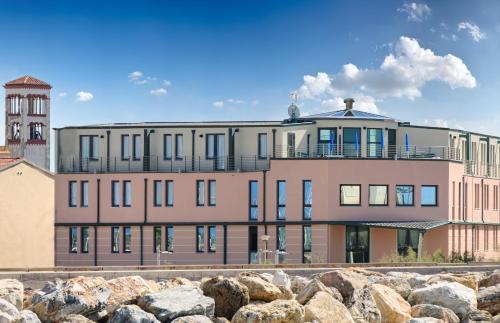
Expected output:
(127, 239)
(157, 239)
(170, 238)
(200, 239)
(212, 238)
(115, 239)
(73, 240)
(307, 245)
(357, 244)
(281, 242)
(253, 252)
(407, 240)
(85, 239)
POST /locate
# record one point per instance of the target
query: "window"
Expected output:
(327, 143)
(200, 239)
(486, 197)
(84, 202)
(350, 195)
(115, 239)
(407, 239)
(85, 239)
(89, 147)
(429, 195)
(115, 193)
(212, 238)
(125, 147)
(212, 192)
(253, 200)
(157, 239)
(170, 193)
(127, 239)
(352, 142)
(136, 147)
(127, 193)
(378, 195)
(374, 142)
(167, 146)
(281, 200)
(36, 131)
(178, 147)
(214, 146)
(262, 149)
(170, 238)
(495, 197)
(281, 241)
(200, 193)
(73, 240)
(476, 196)
(72, 194)
(307, 199)
(157, 194)
(253, 245)
(307, 244)
(404, 195)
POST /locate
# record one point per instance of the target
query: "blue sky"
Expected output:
(433, 63)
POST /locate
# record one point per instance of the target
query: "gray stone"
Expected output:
(132, 314)
(298, 283)
(192, 319)
(425, 320)
(398, 284)
(172, 303)
(491, 280)
(12, 291)
(477, 316)
(362, 307)
(488, 299)
(312, 288)
(259, 289)
(346, 281)
(6, 318)
(436, 311)
(280, 278)
(9, 309)
(27, 316)
(278, 311)
(496, 319)
(74, 318)
(228, 293)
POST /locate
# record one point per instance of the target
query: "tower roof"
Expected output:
(27, 82)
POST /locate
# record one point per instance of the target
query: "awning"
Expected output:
(415, 225)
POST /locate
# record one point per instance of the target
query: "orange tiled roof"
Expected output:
(27, 81)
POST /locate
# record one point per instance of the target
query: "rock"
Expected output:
(496, 319)
(362, 307)
(364, 272)
(228, 293)
(491, 280)
(6, 318)
(345, 281)
(323, 308)
(192, 319)
(278, 311)
(172, 303)
(312, 288)
(267, 277)
(281, 279)
(455, 296)
(9, 309)
(12, 291)
(488, 299)
(126, 290)
(27, 316)
(436, 311)
(75, 318)
(286, 293)
(132, 314)
(87, 296)
(400, 285)
(299, 282)
(221, 320)
(258, 288)
(392, 307)
(415, 280)
(173, 282)
(466, 280)
(425, 320)
(477, 316)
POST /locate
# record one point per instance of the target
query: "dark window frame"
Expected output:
(169, 191)
(386, 195)
(82, 244)
(200, 248)
(412, 195)
(216, 144)
(91, 146)
(155, 236)
(304, 204)
(210, 238)
(360, 195)
(125, 250)
(344, 143)
(71, 231)
(278, 237)
(124, 193)
(320, 147)
(165, 136)
(113, 193)
(113, 230)
(177, 155)
(82, 183)
(70, 191)
(209, 192)
(259, 146)
(122, 146)
(134, 146)
(278, 205)
(378, 144)
(304, 242)
(157, 184)
(250, 205)
(198, 195)
(436, 196)
(169, 247)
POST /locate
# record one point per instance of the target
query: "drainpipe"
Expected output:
(142, 245)
(193, 131)
(108, 135)
(98, 219)
(482, 199)
(264, 202)
(225, 243)
(274, 143)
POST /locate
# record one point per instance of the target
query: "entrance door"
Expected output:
(391, 143)
(291, 145)
(357, 244)
(253, 255)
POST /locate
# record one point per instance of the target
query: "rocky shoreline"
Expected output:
(340, 295)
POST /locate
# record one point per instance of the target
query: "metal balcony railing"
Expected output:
(480, 169)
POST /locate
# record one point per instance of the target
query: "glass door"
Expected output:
(357, 244)
(291, 145)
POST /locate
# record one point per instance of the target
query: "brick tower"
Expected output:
(27, 119)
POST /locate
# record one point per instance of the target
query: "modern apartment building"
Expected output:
(341, 186)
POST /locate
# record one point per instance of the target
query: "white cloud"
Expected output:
(134, 76)
(473, 30)
(403, 73)
(83, 96)
(235, 101)
(417, 12)
(437, 123)
(166, 83)
(218, 104)
(159, 92)
(139, 78)
(63, 94)
(222, 103)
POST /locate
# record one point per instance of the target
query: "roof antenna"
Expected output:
(293, 109)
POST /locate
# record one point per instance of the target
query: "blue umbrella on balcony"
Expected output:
(382, 143)
(332, 141)
(407, 142)
(356, 146)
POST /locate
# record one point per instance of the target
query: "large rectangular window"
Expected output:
(157, 193)
(115, 239)
(72, 194)
(127, 239)
(212, 193)
(136, 147)
(170, 193)
(179, 150)
(378, 195)
(125, 147)
(115, 193)
(215, 149)
(253, 200)
(170, 238)
(352, 142)
(307, 244)
(307, 199)
(350, 194)
(84, 201)
(262, 145)
(281, 241)
(85, 239)
(327, 141)
(127, 193)
(404, 195)
(281, 199)
(73, 240)
(200, 239)
(253, 245)
(374, 142)
(429, 195)
(407, 239)
(200, 193)
(89, 147)
(167, 146)
(157, 239)
(212, 238)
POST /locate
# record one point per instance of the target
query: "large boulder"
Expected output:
(280, 278)
(477, 316)
(323, 308)
(312, 288)
(174, 282)
(455, 296)
(228, 293)
(27, 316)
(172, 303)
(425, 320)
(132, 314)
(488, 299)
(126, 290)
(221, 320)
(278, 311)
(258, 288)
(491, 280)
(415, 280)
(496, 319)
(298, 283)
(345, 281)
(192, 319)
(362, 306)
(12, 291)
(468, 280)
(9, 311)
(436, 311)
(392, 307)
(75, 318)
(400, 285)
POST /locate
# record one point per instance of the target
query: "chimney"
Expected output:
(348, 103)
